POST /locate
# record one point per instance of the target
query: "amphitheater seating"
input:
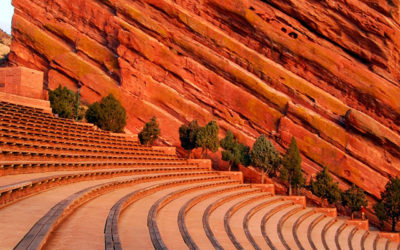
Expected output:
(70, 185)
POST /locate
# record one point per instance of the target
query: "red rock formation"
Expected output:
(323, 71)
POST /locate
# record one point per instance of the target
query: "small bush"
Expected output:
(388, 208)
(234, 152)
(354, 198)
(265, 157)
(207, 138)
(324, 187)
(62, 101)
(188, 136)
(108, 114)
(150, 132)
(291, 168)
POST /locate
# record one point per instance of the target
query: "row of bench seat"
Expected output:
(104, 190)
(22, 131)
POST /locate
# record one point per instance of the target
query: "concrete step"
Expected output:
(317, 232)
(234, 219)
(271, 226)
(253, 220)
(303, 227)
(18, 218)
(194, 216)
(215, 220)
(330, 233)
(344, 236)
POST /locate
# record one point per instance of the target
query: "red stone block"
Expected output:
(390, 236)
(22, 81)
(361, 224)
(329, 211)
(301, 200)
(270, 188)
(234, 175)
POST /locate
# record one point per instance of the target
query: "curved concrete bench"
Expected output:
(24, 155)
(269, 205)
(272, 221)
(21, 130)
(330, 233)
(292, 213)
(213, 206)
(40, 232)
(70, 134)
(392, 245)
(364, 239)
(380, 243)
(45, 140)
(342, 236)
(357, 238)
(351, 237)
(232, 211)
(17, 191)
(286, 227)
(310, 228)
(317, 232)
(296, 226)
(39, 143)
(27, 148)
(155, 235)
(112, 239)
(371, 240)
(16, 168)
(183, 229)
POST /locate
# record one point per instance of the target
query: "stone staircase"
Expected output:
(70, 185)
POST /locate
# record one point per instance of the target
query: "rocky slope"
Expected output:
(326, 72)
(5, 43)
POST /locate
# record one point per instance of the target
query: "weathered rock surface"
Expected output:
(326, 72)
(5, 42)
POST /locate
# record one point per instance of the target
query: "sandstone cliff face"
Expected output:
(326, 72)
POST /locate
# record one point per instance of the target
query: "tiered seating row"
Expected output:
(43, 139)
(29, 118)
(13, 145)
(232, 210)
(154, 231)
(14, 192)
(66, 135)
(14, 168)
(140, 186)
(213, 206)
(38, 235)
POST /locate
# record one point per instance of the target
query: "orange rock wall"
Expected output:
(326, 72)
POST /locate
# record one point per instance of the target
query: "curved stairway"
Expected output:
(69, 185)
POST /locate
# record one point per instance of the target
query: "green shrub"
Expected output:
(324, 187)
(207, 138)
(291, 168)
(234, 152)
(63, 102)
(354, 198)
(108, 115)
(150, 132)
(265, 157)
(389, 205)
(188, 136)
(380, 212)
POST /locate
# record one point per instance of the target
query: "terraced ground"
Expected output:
(66, 185)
